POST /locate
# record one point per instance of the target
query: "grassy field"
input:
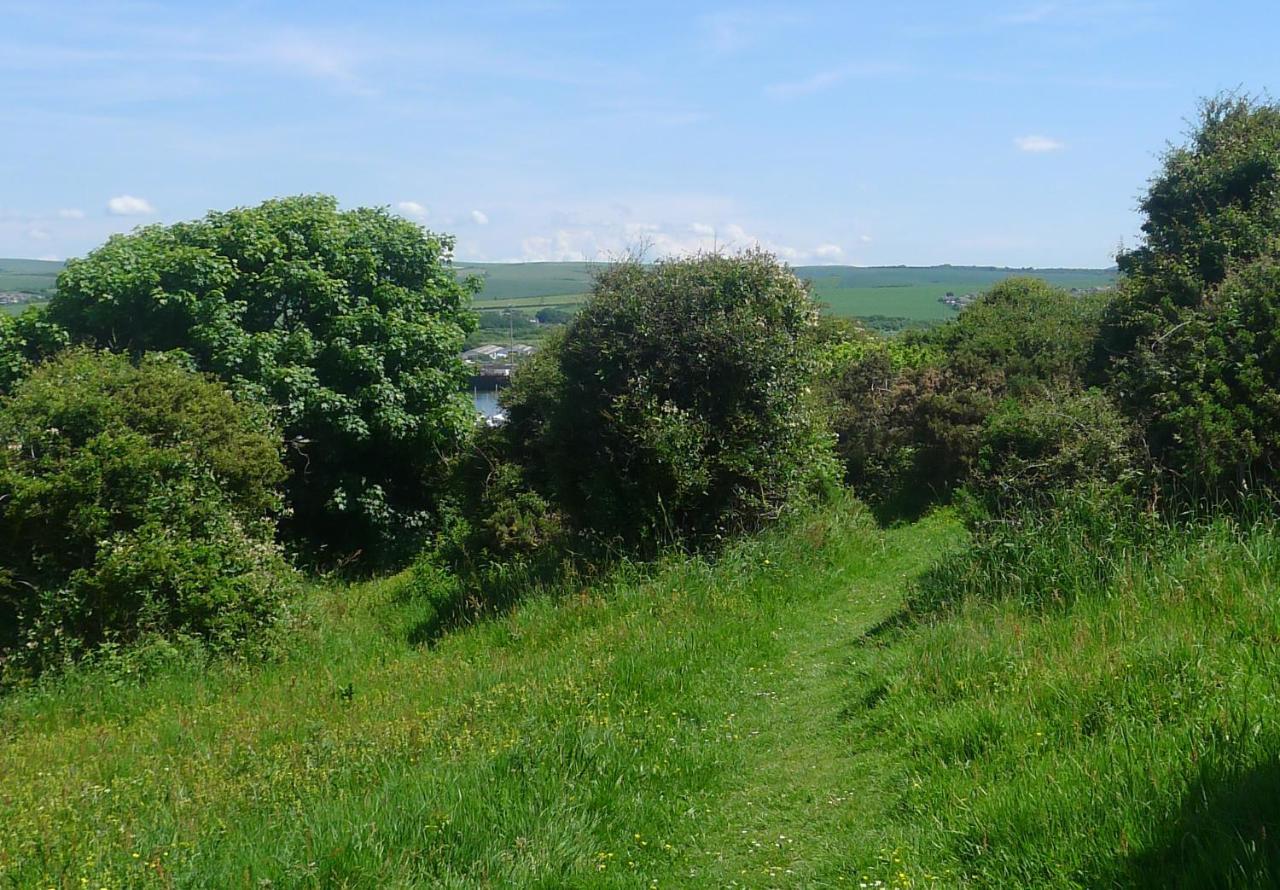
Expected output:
(893, 291)
(913, 292)
(773, 720)
(19, 308)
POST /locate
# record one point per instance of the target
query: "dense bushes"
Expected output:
(677, 404)
(24, 340)
(1032, 447)
(348, 323)
(1189, 345)
(913, 414)
(136, 500)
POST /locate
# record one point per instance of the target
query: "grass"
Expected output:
(781, 717)
(611, 735)
(906, 292)
(19, 308)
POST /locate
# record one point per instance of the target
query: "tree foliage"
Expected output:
(26, 339)
(910, 412)
(136, 499)
(348, 323)
(1188, 345)
(677, 404)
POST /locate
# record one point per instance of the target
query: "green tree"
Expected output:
(1187, 347)
(349, 323)
(136, 499)
(677, 404)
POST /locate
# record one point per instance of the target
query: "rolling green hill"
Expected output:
(910, 292)
(28, 276)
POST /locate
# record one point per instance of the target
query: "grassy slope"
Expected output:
(897, 291)
(659, 729)
(769, 721)
(913, 292)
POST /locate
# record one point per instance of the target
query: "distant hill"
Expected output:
(910, 292)
(35, 277)
(907, 292)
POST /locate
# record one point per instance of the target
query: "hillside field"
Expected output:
(28, 276)
(909, 292)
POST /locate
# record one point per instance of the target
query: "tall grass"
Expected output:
(1086, 698)
(587, 736)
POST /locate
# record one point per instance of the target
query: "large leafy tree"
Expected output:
(1188, 345)
(348, 323)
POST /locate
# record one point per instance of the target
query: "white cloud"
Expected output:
(71, 213)
(412, 210)
(35, 233)
(828, 252)
(479, 217)
(865, 239)
(128, 205)
(1037, 144)
(703, 229)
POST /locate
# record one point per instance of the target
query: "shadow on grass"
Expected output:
(906, 507)
(1227, 835)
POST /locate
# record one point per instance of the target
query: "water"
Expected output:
(486, 401)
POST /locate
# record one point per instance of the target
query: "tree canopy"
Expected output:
(348, 323)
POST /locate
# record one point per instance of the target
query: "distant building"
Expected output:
(491, 353)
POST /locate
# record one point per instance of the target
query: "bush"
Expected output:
(349, 324)
(137, 500)
(551, 315)
(1189, 346)
(1031, 448)
(677, 404)
(25, 339)
(910, 412)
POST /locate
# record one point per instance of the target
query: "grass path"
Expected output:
(679, 729)
(800, 799)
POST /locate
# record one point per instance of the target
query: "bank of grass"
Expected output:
(592, 736)
(779, 718)
(1092, 700)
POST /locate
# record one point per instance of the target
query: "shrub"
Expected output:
(136, 500)
(1188, 348)
(25, 339)
(1213, 206)
(910, 412)
(1033, 447)
(677, 404)
(349, 324)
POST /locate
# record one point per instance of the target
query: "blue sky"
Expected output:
(1006, 133)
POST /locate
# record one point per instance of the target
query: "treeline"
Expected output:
(204, 406)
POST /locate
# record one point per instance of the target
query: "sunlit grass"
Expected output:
(773, 719)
